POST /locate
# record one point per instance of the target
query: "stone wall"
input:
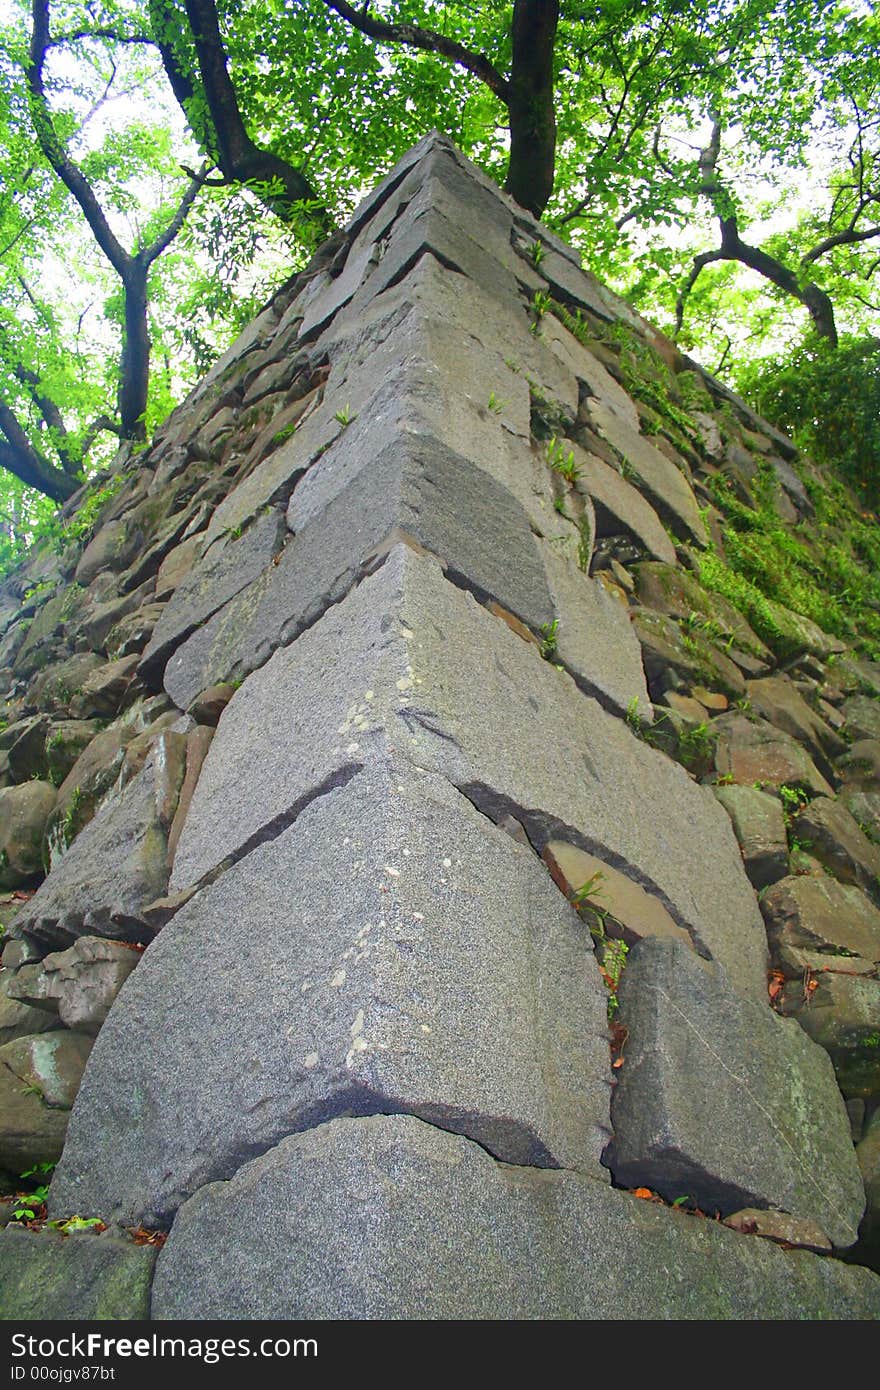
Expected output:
(397, 781)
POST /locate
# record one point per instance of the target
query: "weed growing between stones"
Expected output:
(282, 435)
(550, 633)
(30, 1204)
(540, 305)
(562, 461)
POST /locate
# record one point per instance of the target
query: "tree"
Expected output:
(592, 115)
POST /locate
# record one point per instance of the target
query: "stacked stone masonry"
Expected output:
(358, 739)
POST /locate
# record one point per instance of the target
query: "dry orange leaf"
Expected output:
(645, 1193)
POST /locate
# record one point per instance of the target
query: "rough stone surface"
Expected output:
(620, 506)
(104, 689)
(415, 487)
(678, 594)
(842, 1015)
(721, 1099)
(862, 717)
(753, 751)
(221, 573)
(39, 1077)
(79, 983)
(779, 1226)
(270, 484)
(618, 906)
(18, 1020)
(777, 699)
(868, 1154)
(389, 1218)
(835, 839)
(422, 962)
(394, 664)
(667, 488)
(760, 831)
(80, 1277)
(820, 914)
(66, 741)
(114, 868)
(25, 745)
(24, 811)
(669, 654)
(594, 638)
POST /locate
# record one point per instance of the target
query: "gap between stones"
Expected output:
(540, 828)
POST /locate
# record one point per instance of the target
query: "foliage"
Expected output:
(827, 570)
(29, 1204)
(334, 94)
(829, 402)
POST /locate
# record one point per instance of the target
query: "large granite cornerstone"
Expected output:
(391, 1218)
(409, 662)
(390, 951)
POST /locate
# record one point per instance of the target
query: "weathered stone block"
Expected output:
(219, 575)
(752, 751)
(666, 487)
(822, 915)
(394, 664)
(39, 1077)
(759, 827)
(835, 839)
(24, 811)
(621, 507)
(114, 868)
(47, 1275)
(389, 1218)
(391, 951)
(79, 983)
(721, 1100)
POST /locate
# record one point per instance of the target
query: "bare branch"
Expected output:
(164, 240)
(705, 258)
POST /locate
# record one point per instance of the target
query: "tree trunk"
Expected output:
(530, 104)
(134, 366)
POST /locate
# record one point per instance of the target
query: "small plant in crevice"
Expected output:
(562, 460)
(550, 634)
(537, 252)
(696, 744)
(634, 719)
(284, 433)
(539, 306)
(344, 416)
(30, 1204)
(614, 956)
(495, 405)
(793, 799)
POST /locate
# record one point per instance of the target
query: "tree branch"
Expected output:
(164, 240)
(284, 187)
(50, 413)
(704, 259)
(733, 248)
(845, 238)
(427, 40)
(53, 148)
(18, 456)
